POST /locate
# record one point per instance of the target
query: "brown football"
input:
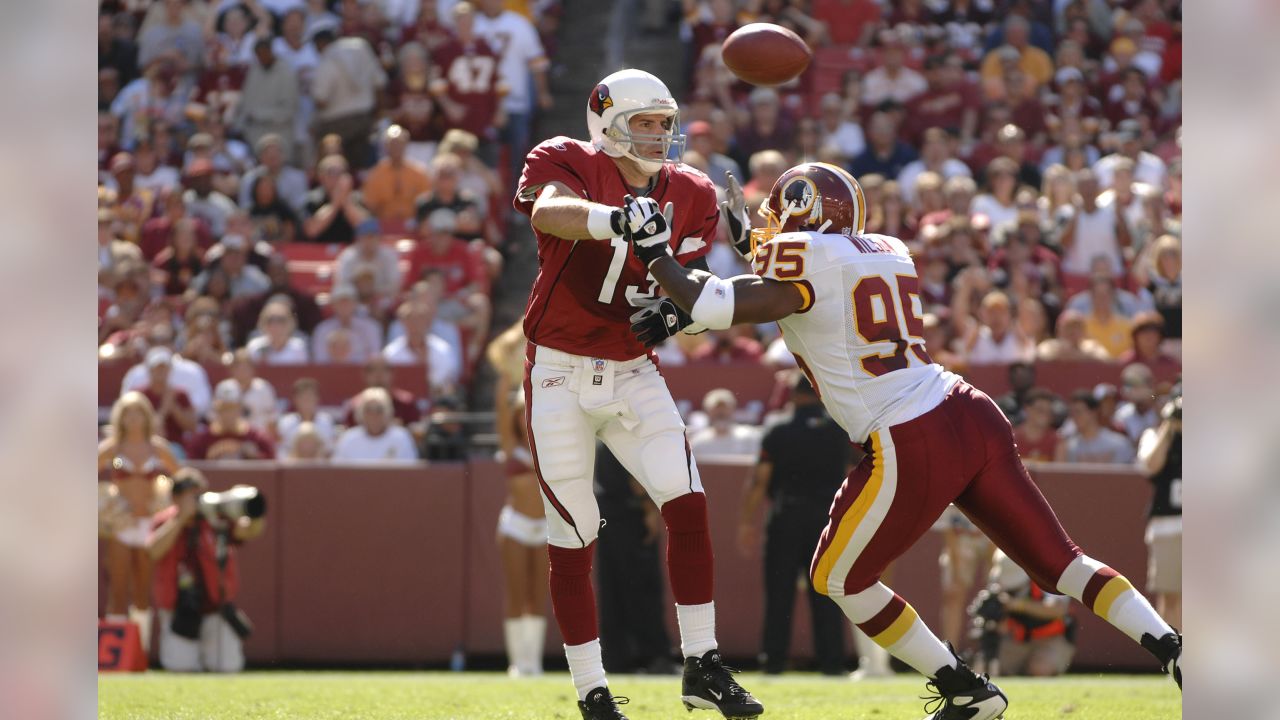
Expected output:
(765, 54)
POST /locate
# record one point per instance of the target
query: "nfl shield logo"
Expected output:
(598, 364)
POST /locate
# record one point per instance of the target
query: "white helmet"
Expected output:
(615, 100)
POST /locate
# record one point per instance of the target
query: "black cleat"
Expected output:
(601, 705)
(1168, 650)
(961, 694)
(709, 685)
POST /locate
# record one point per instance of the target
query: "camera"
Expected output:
(1172, 410)
(231, 505)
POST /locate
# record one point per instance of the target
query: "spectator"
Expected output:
(885, 155)
(1011, 142)
(734, 345)
(203, 201)
(113, 253)
(1071, 342)
(184, 373)
(474, 176)
(992, 339)
(277, 343)
(1106, 323)
(152, 173)
(1138, 413)
(1138, 204)
(368, 250)
(766, 126)
(273, 219)
(202, 339)
(1092, 441)
(1036, 436)
(257, 396)
(420, 346)
(462, 295)
(1148, 334)
(158, 96)
(174, 413)
(158, 232)
(229, 435)
(1073, 101)
(1160, 459)
(306, 414)
(765, 167)
(1033, 61)
(376, 438)
(722, 435)
(1129, 99)
(415, 99)
(892, 79)
(174, 31)
(719, 166)
(290, 182)
(229, 157)
(294, 48)
(334, 209)
(950, 102)
(522, 67)
(377, 374)
(1161, 269)
(1022, 380)
(468, 62)
(936, 156)
(236, 33)
(394, 183)
(849, 22)
(1091, 230)
(839, 129)
(186, 542)
(364, 335)
(270, 100)
(1147, 168)
(242, 278)
(345, 89)
(116, 52)
(306, 444)
(447, 194)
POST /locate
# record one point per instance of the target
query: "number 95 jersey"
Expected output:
(587, 290)
(858, 336)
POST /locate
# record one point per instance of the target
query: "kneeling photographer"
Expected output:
(197, 576)
(1022, 629)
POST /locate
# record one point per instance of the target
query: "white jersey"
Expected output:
(858, 337)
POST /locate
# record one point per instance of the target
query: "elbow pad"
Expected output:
(714, 308)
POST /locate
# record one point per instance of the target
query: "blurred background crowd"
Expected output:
(289, 183)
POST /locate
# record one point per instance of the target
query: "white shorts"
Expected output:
(218, 649)
(572, 400)
(522, 528)
(135, 535)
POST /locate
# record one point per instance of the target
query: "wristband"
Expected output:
(600, 222)
(714, 307)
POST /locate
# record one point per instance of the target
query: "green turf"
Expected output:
(450, 696)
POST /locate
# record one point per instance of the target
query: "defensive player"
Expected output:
(588, 376)
(848, 306)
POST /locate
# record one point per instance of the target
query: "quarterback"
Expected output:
(592, 316)
(849, 309)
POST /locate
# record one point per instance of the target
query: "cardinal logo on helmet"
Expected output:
(600, 100)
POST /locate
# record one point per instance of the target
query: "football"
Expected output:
(765, 54)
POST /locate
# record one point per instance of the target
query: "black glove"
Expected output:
(735, 216)
(648, 229)
(659, 321)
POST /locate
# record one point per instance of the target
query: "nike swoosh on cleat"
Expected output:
(718, 695)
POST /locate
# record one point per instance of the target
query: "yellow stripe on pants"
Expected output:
(849, 523)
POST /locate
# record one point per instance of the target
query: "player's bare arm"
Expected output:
(560, 212)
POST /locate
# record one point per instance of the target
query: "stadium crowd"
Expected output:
(308, 183)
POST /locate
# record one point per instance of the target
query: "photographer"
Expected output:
(1160, 459)
(197, 576)
(1023, 630)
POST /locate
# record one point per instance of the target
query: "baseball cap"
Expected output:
(1129, 129)
(159, 356)
(233, 242)
(699, 127)
(1068, 74)
(368, 226)
(762, 95)
(1147, 321)
(200, 167)
(345, 290)
(227, 391)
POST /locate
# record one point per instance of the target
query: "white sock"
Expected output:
(1135, 617)
(535, 633)
(586, 667)
(514, 640)
(697, 628)
(142, 618)
(922, 650)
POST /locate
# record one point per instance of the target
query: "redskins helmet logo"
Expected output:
(600, 100)
(799, 196)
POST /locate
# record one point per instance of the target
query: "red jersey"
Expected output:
(1043, 449)
(472, 71)
(173, 432)
(208, 444)
(586, 291)
(461, 266)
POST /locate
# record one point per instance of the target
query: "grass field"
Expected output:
(454, 696)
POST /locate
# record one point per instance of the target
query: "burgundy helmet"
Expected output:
(813, 196)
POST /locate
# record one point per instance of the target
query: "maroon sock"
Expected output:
(572, 598)
(689, 558)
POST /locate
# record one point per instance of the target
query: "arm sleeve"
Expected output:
(554, 160)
